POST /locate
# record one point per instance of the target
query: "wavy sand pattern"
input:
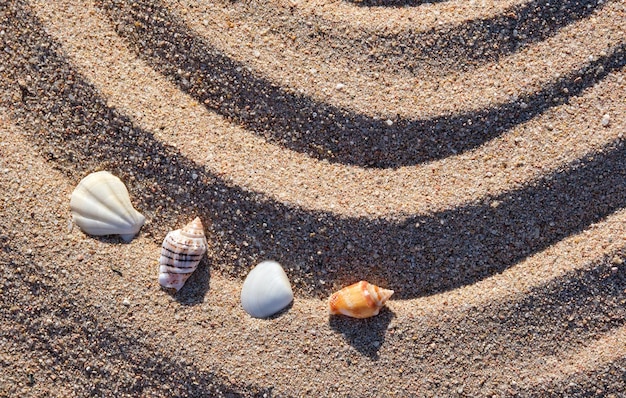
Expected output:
(469, 155)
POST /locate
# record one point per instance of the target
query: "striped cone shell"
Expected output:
(360, 300)
(181, 252)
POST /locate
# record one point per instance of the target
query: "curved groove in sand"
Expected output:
(422, 16)
(392, 3)
(584, 248)
(608, 348)
(573, 253)
(250, 162)
(456, 247)
(320, 129)
(406, 99)
(570, 254)
(422, 50)
(545, 299)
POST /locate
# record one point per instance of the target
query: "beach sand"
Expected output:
(468, 155)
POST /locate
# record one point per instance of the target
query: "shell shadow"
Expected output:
(279, 313)
(365, 335)
(108, 239)
(196, 287)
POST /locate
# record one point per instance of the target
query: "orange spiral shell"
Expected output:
(360, 300)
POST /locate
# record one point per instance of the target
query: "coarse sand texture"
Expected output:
(467, 155)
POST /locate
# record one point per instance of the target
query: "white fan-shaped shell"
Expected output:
(101, 206)
(266, 290)
(181, 253)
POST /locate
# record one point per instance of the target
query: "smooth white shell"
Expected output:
(181, 253)
(101, 206)
(266, 290)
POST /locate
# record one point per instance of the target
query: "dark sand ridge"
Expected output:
(423, 17)
(522, 72)
(554, 300)
(547, 140)
(226, 87)
(415, 48)
(570, 305)
(497, 346)
(454, 247)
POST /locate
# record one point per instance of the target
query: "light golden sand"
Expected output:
(84, 315)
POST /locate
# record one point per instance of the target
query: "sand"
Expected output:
(468, 155)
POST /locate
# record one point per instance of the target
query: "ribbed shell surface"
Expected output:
(101, 206)
(181, 253)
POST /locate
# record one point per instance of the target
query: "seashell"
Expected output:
(101, 206)
(360, 300)
(266, 290)
(181, 253)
